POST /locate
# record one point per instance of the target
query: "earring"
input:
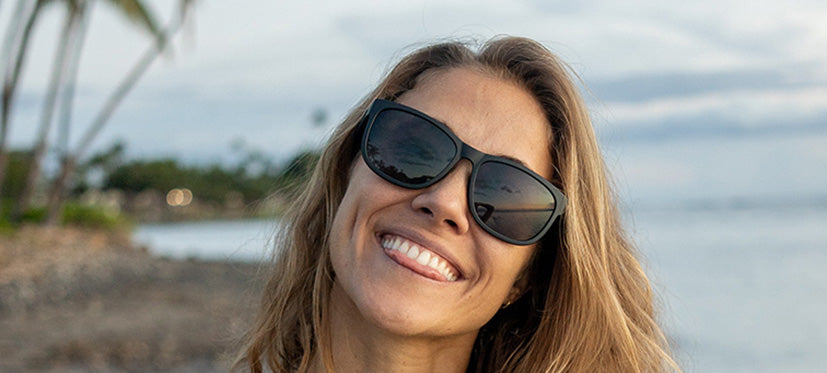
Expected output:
(506, 304)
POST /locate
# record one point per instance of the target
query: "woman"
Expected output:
(459, 219)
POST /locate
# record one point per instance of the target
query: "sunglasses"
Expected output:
(410, 149)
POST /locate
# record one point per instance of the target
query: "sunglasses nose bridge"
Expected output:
(472, 155)
(445, 201)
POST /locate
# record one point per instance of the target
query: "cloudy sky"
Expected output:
(708, 99)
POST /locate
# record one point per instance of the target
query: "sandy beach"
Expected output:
(79, 301)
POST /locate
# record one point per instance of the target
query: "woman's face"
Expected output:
(474, 272)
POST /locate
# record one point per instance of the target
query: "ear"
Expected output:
(519, 288)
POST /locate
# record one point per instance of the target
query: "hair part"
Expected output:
(588, 306)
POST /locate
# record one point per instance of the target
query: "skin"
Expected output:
(385, 316)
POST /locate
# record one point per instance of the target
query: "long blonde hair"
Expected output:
(589, 304)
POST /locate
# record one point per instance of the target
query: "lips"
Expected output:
(418, 258)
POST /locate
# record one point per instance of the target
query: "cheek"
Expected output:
(365, 195)
(509, 265)
(341, 232)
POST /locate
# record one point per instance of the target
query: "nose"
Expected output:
(446, 201)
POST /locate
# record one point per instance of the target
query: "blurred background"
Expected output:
(182, 125)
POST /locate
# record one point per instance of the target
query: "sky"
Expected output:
(708, 100)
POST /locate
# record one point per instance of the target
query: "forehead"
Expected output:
(492, 114)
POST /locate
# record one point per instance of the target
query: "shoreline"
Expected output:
(83, 300)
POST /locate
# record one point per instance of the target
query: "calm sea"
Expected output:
(237, 240)
(742, 289)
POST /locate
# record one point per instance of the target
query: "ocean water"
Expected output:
(235, 240)
(740, 289)
(743, 289)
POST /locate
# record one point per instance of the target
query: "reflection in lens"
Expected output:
(408, 148)
(515, 204)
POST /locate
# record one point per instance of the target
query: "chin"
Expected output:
(414, 317)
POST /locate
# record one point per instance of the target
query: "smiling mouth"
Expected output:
(418, 259)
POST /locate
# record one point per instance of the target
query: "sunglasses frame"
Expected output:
(477, 159)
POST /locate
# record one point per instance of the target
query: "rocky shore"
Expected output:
(77, 301)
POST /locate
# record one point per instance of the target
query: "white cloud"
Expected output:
(747, 107)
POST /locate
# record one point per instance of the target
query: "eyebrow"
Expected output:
(512, 159)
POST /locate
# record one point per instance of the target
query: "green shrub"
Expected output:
(6, 228)
(34, 215)
(91, 216)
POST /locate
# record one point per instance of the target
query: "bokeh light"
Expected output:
(179, 197)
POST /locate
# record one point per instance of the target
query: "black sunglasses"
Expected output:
(410, 149)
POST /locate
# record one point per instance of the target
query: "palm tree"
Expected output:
(15, 48)
(64, 72)
(70, 159)
(75, 19)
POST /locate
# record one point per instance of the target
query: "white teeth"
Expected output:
(413, 252)
(434, 263)
(422, 256)
(404, 247)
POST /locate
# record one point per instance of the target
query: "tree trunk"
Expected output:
(12, 33)
(59, 67)
(58, 192)
(80, 19)
(67, 96)
(10, 79)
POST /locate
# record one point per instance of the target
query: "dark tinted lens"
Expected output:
(510, 201)
(407, 148)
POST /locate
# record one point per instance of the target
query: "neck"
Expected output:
(359, 345)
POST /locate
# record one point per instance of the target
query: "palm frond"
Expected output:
(140, 14)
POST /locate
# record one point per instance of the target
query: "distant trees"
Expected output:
(211, 183)
(215, 185)
(250, 179)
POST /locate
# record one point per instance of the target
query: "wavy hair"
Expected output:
(589, 304)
